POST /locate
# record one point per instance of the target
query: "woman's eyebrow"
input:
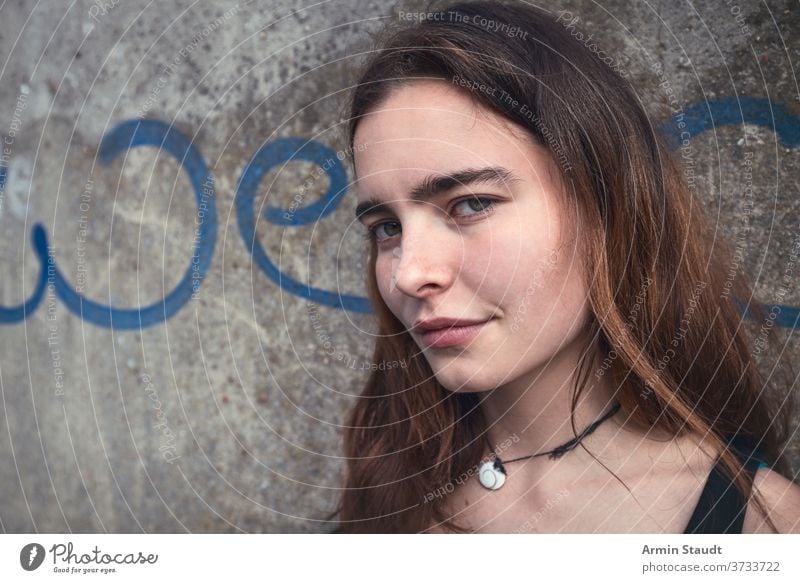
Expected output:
(436, 184)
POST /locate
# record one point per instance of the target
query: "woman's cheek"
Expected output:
(384, 276)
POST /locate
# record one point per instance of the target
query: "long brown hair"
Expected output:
(648, 243)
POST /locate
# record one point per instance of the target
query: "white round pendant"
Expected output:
(492, 475)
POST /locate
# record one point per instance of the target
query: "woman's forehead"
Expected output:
(430, 109)
(431, 126)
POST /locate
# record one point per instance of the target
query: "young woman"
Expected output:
(576, 358)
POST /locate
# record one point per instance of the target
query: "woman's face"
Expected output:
(491, 246)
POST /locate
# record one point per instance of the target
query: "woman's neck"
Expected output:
(531, 414)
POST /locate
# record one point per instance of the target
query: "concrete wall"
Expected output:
(209, 398)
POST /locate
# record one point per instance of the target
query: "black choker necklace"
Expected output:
(492, 474)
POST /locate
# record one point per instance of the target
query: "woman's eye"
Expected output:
(475, 205)
(472, 206)
(383, 231)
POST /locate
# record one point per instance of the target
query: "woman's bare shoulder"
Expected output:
(782, 500)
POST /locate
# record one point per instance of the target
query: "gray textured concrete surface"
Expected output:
(225, 417)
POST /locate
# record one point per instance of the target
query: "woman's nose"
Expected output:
(426, 261)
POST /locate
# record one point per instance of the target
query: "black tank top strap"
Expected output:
(721, 508)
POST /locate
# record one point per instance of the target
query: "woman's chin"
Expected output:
(464, 381)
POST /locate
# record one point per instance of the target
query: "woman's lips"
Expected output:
(452, 335)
